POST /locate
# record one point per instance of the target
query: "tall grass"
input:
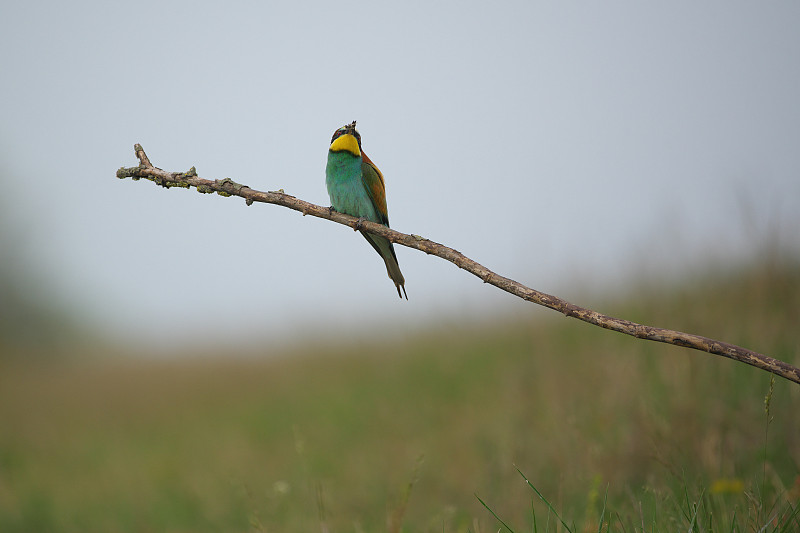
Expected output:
(614, 433)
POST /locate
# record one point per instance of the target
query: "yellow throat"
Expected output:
(345, 143)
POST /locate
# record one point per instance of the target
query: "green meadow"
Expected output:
(431, 433)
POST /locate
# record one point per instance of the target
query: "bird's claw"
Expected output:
(359, 223)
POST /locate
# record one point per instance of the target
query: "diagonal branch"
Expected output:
(227, 187)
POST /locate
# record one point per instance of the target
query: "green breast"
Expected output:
(346, 187)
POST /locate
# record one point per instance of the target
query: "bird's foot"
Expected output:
(359, 223)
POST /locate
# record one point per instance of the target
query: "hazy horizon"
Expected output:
(567, 147)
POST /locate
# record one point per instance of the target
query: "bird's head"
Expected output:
(346, 139)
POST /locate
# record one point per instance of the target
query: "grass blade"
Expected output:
(494, 515)
(541, 497)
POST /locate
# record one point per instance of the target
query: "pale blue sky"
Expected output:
(565, 145)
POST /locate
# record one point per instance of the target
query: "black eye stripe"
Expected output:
(338, 133)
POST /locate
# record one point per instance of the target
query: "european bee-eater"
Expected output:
(356, 187)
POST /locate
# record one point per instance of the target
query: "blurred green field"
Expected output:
(653, 437)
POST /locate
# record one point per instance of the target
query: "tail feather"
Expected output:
(386, 251)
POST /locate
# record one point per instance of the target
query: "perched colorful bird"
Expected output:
(356, 187)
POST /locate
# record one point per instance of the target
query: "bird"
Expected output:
(356, 187)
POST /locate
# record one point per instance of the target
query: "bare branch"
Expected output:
(228, 187)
